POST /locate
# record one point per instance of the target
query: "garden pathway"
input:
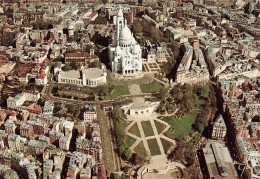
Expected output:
(143, 137)
(157, 160)
(156, 135)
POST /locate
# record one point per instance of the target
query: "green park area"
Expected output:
(129, 141)
(153, 87)
(118, 91)
(148, 130)
(153, 146)
(140, 149)
(159, 126)
(166, 145)
(134, 130)
(179, 127)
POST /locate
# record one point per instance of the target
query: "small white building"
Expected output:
(90, 113)
(48, 108)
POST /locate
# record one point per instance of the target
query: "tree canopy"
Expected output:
(66, 67)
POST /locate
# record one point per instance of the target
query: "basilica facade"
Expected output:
(125, 53)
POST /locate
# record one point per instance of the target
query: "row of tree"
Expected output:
(148, 31)
(209, 110)
(119, 129)
(173, 60)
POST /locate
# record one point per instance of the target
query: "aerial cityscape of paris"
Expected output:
(129, 89)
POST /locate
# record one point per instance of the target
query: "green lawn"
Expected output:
(148, 130)
(166, 145)
(140, 149)
(181, 126)
(135, 130)
(153, 87)
(130, 141)
(118, 91)
(159, 126)
(154, 148)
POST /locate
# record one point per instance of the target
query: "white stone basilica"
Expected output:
(125, 53)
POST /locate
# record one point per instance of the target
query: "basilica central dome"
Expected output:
(125, 34)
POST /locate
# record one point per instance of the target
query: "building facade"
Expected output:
(88, 77)
(89, 113)
(219, 129)
(125, 53)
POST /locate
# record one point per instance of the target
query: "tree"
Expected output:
(75, 66)
(58, 107)
(142, 40)
(178, 96)
(128, 154)
(7, 39)
(163, 92)
(104, 91)
(35, 25)
(146, 26)
(34, 41)
(76, 34)
(137, 27)
(175, 46)
(72, 108)
(122, 148)
(171, 99)
(41, 101)
(115, 176)
(66, 67)
(205, 91)
(138, 159)
(189, 105)
(91, 97)
(177, 154)
(95, 64)
(120, 132)
(192, 172)
(189, 154)
(155, 34)
(116, 113)
(123, 176)
(170, 108)
(59, 58)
